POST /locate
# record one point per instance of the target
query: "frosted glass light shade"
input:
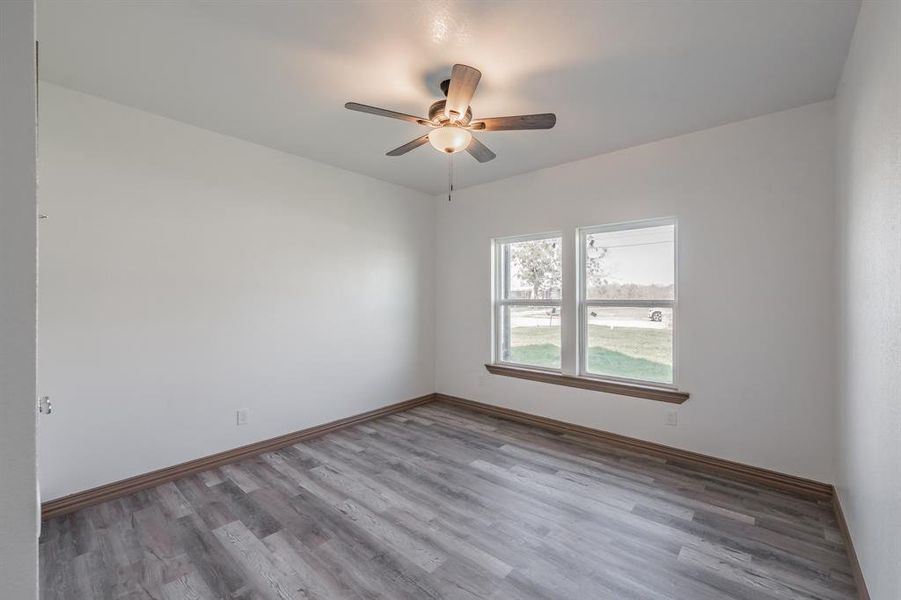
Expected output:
(449, 139)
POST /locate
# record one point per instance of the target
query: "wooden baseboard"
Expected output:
(110, 491)
(862, 592)
(773, 479)
(780, 481)
(800, 486)
(757, 475)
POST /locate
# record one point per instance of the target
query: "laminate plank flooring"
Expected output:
(443, 502)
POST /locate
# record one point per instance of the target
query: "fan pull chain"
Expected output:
(450, 176)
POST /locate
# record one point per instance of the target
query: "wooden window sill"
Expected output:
(598, 385)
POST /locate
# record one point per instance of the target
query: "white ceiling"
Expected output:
(617, 74)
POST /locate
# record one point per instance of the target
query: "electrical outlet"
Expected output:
(242, 416)
(672, 418)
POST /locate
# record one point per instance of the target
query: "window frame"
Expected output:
(584, 304)
(498, 302)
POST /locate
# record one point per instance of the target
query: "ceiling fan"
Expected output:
(452, 122)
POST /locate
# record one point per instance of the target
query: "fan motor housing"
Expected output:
(437, 116)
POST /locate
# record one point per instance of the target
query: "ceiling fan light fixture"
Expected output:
(449, 139)
(451, 119)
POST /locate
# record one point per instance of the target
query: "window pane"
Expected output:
(630, 342)
(630, 264)
(530, 335)
(532, 269)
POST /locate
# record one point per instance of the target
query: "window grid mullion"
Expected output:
(629, 303)
(528, 302)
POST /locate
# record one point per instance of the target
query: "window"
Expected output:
(627, 290)
(528, 274)
(593, 309)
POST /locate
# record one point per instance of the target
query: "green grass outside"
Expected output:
(631, 352)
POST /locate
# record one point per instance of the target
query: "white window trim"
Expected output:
(498, 301)
(583, 303)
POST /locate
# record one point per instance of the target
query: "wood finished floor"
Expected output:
(441, 502)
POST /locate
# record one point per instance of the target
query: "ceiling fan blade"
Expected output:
(382, 112)
(541, 121)
(480, 151)
(463, 82)
(408, 146)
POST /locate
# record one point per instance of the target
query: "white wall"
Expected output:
(868, 165)
(18, 247)
(185, 274)
(755, 210)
